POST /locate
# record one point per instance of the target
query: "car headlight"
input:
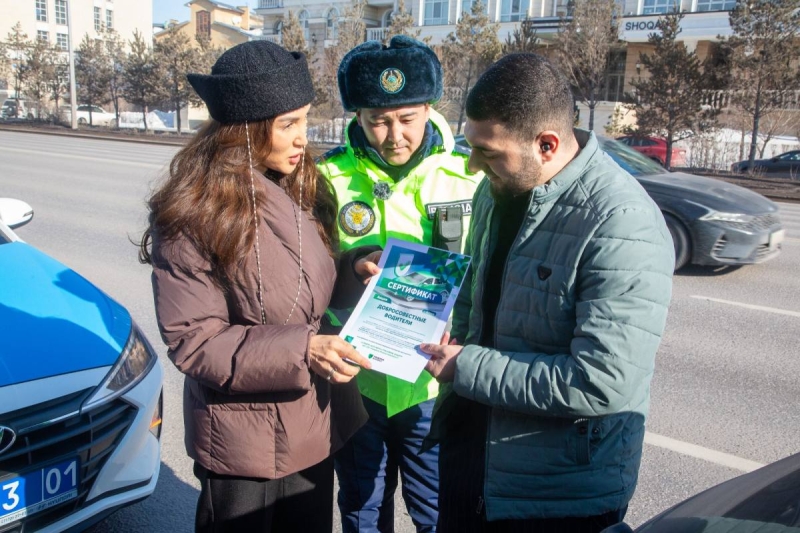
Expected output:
(136, 359)
(721, 216)
(727, 217)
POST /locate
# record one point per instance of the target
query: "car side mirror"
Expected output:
(622, 527)
(15, 213)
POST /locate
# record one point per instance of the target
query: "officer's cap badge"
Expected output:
(392, 80)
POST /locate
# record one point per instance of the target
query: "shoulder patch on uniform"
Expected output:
(332, 153)
(462, 150)
(356, 219)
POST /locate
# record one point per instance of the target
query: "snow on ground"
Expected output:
(722, 147)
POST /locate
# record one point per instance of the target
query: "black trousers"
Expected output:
(300, 502)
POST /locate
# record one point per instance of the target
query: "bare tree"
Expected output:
(143, 80)
(401, 23)
(524, 39)
(293, 35)
(764, 49)
(92, 73)
(583, 46)
(176, 57)
(116, 56)
(58, 64)
(468, 52)
(17, 46)
(38, 75)
(669, 102)
(351, 32)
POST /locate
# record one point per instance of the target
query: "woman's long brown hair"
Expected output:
(207, 196)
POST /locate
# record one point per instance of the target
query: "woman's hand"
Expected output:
(367, 266)
(326, 354)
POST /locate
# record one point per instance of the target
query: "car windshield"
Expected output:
(417, 277)
(631, 160)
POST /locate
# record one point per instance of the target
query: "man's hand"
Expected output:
(442, 364)
(367, 266)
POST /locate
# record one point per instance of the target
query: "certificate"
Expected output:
(407, 304)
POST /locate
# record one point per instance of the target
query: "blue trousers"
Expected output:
(368, 465)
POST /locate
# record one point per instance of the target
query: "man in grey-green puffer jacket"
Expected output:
(546, 382)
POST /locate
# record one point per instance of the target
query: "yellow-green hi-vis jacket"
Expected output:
(441, 179)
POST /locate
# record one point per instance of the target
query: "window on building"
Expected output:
(563, 8)
(436, 12)
(303, 18)
(466, 5)
(41, 10)
(109, 19)
(98, 22)
(653, 7)
(332, 24)
(61, 12)
(614, 86)
(386, 18)
(203, 24)
(43, 36)
(715, 5)
(513, 10)
(61, 41)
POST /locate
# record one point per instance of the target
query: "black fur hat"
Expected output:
(406, 72)
(254, 81)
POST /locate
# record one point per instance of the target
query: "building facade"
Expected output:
(48, 20)
(704, 21)
(225, 25)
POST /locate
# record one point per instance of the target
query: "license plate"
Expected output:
(35, 491)
(776, 238)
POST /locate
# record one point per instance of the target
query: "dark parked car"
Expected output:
(764, 501)
(656, 149)
(786, 164)
(712, 222)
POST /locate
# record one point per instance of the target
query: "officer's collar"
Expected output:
(431, 142)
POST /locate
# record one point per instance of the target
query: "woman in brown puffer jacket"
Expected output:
(243, 243)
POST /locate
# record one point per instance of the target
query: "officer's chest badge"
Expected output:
(356, 219)
(392, 80)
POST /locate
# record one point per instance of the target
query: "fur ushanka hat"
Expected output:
(404, 73)
(254, 81)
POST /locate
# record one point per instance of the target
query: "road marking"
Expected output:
(38, 153)
(699, 452)
(750, 306)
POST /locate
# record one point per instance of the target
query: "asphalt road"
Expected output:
(724, 396)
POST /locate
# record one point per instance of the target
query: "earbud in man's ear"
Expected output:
(546, 147)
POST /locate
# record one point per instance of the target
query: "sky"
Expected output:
(163, 10)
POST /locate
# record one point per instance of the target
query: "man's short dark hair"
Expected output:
(526, 93)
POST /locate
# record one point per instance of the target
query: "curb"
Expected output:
(118, 138)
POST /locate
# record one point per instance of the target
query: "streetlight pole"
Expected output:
(71, 52)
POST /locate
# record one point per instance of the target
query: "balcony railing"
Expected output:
(377, 34)
(273, 38)
(777, 99)
(270, 4)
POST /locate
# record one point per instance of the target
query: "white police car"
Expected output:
(80, 394)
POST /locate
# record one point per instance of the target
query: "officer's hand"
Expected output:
(367, 266)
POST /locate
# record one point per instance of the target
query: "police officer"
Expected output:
(400, 175)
